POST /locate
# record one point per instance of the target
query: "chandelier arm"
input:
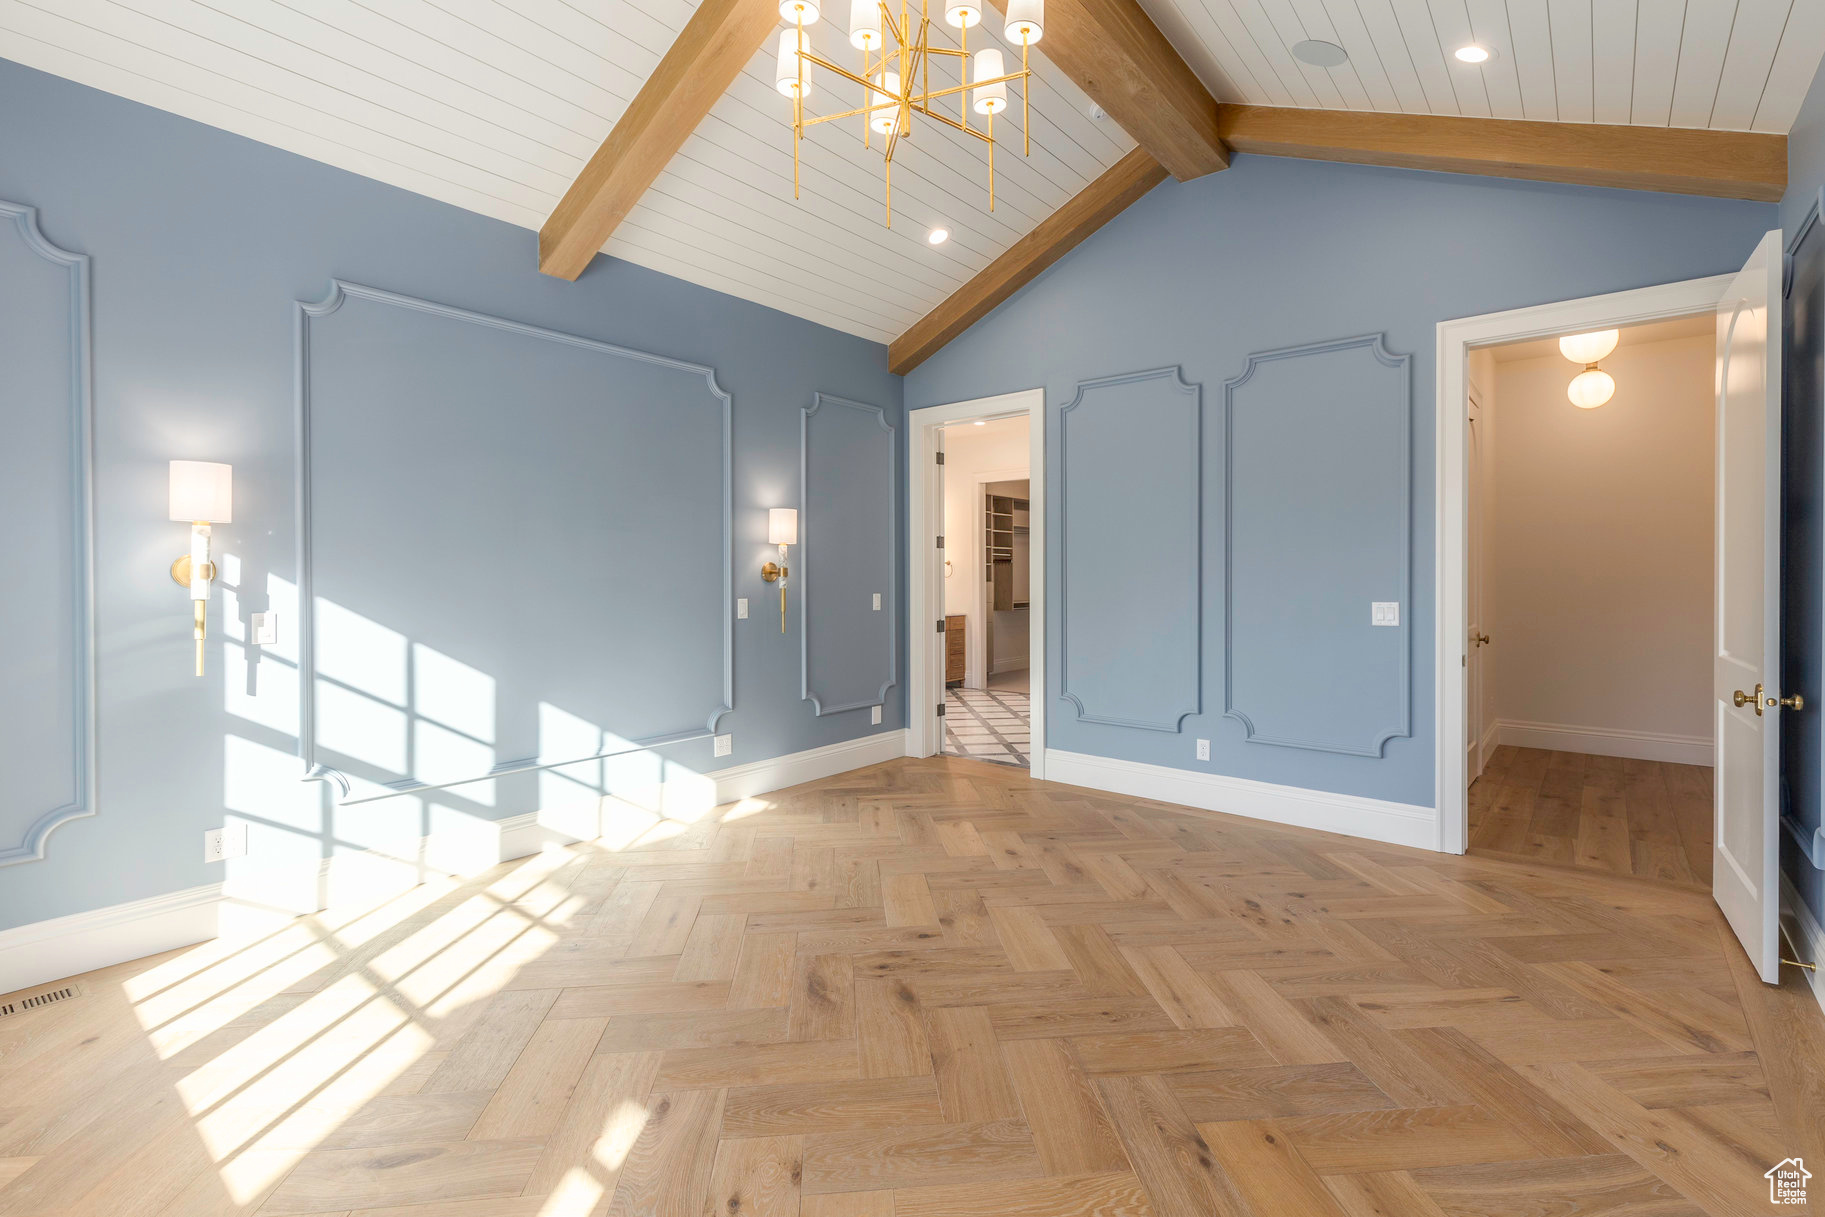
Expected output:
(899, 36)
(974, 84)
(946, 50)
(830, 118)
(948, 121)
(845, 73)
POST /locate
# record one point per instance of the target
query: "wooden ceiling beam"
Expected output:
(1722, 164)
(709, 53)
(1116, 54)
(1059, 233)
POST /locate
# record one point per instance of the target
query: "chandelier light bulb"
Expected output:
(1589, 348)
(1026, 21)
(881, 122)
(989, 99)
(964, 13)
(1591, 388)
(787, 77)
(865, 24)
(801, 12)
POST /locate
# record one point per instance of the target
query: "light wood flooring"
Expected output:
(1644, 818)
(937, 989)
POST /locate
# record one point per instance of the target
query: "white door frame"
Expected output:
(1450, 555)
(925, 593)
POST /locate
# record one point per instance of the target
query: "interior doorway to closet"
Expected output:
(988, 600)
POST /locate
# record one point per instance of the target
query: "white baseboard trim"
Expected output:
(1375, 819)
(1606, 741)
(44, 951)
(1806, 936)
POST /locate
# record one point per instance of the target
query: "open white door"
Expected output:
(1746, 848)
(937, 557)
(1475, 489)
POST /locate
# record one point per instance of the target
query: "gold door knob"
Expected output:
(1749, 699)
(1795, 702)
(1481, 640)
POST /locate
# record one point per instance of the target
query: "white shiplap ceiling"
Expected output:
(495, 105)
(1741, 65)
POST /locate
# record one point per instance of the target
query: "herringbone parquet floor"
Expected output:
(936, 989)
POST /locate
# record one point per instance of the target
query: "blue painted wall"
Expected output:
(1277, 253)
(1803, 496)
(202, 242)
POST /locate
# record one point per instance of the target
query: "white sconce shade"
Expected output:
(865, 24)
(881, 122)
(202, 492)
(782, 526)
(990, 99)
(1026, 21)
(788, 78)
(804, 12)
(1589, 348)
(1591, 388)
(963, 13)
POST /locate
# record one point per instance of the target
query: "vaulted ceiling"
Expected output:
(498, 105)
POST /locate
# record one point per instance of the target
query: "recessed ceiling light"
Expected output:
(981, 423)
(938, 236)
(1473, 54)
(1319, 54)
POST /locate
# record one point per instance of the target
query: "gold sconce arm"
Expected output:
(778, 572)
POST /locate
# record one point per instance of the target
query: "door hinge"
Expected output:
(940, 709)
(940, 540)
(940, 625)
(940, 458)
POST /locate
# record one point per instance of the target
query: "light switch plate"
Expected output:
(228, 841)
(266, 629)
(877, 602)
(1203, 750)
(741, 609)
(874, 715)
(725, 744)
(1384, 612)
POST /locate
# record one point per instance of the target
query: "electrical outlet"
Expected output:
(1203, 750)
(877, 602)
(725, 744)
(228, 841)
(1384, 612)
(266, 629)
(874, 716)
(741, 609)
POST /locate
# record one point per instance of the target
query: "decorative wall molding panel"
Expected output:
(848, 649)
(514, 546)
(1318, 508)
(1131, 525)
(47, 623)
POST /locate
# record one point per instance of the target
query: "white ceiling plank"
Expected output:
(1346, 78)
(1802, 41)
(618, 59)
(1428, 53)
(28, 48)
(1701, 60)
(1273, 49)
(1613, 25)
(1451, 24)
(1365, 60)
(1530, 31)
(1489, 28)
(1396, 56)
(1572, 71)
(1230, 67)
(1289, 25)
(1755, 36)
(1659, 29)
(274, 104)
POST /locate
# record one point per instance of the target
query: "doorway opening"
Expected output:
(988, 589)
(1589, 738)
(978, 573)
(1746, 700)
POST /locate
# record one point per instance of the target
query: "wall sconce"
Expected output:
(782, 530)
(202, 492)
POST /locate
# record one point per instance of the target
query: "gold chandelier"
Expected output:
(892, 94)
